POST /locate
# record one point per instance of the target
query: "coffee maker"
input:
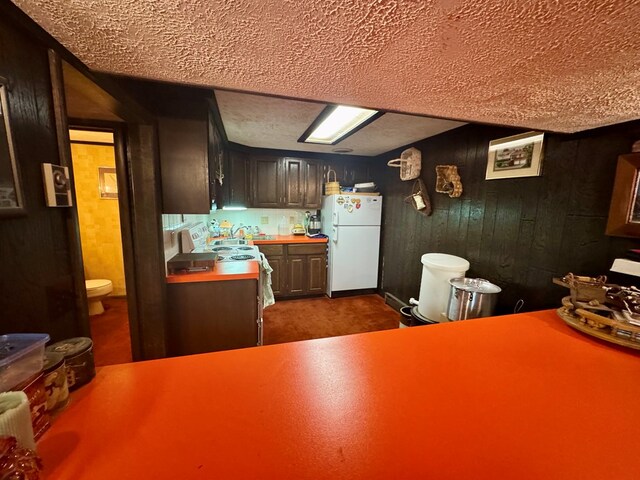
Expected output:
(314, 223)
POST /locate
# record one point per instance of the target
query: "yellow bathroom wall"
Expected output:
(99, 218)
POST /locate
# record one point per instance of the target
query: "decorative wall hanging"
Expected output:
(419, 198)
(624, 212)
(409, 163)
(11, 200)
(448, 180)
(515, 156)
(108, 182)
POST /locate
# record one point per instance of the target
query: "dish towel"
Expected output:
(15, 418)
(265, 276)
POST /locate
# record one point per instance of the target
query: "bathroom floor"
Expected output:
(110, 333)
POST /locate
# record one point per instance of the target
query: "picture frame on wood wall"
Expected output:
(108, 182)
(11, 198)
(515, 156)
(624, 212)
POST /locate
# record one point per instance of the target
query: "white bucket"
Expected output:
(437, 270)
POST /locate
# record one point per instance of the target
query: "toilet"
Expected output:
(96, 291)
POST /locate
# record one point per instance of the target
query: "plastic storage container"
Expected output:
(437, 270)
(21, 356)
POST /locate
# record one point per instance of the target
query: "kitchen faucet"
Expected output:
(233, 232)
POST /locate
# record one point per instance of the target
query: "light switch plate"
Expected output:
(57, 186)
(264, 220)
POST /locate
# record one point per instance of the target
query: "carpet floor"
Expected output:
(110, 333)
(286, 321)
(293, 320)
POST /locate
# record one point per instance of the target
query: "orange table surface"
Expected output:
(246, 270)
(515, 397)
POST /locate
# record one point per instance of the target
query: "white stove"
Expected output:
(193, 239)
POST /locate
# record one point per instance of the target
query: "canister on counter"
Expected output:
(78, 358)
(55, 380)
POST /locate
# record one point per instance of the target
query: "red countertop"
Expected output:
(281, 239)
(245, 270)
(514, 397)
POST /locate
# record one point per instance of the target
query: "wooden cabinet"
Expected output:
(294, 181)
(348, 172)
(211, 316)
(236, 180)
(316, 274)
(285, 182)
(266, 182)
(298, 269)
(313, 184)
(184, 165)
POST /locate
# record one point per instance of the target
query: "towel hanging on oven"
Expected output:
(409, 163)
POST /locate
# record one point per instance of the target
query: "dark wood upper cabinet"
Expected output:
(236, 180)
(184, 165)
(278, 182)
(313, 184)
(266, 182)
(294, 178)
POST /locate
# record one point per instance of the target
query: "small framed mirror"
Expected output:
(11, 200)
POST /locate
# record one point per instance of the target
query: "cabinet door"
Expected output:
(266, 182)
(316, 273)
(313, 184)
(184, 165)
(278, 275)
(296, 284)
(236, 180)
(294, 182)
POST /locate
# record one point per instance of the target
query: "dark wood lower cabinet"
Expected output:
(212, 316)
(298, 269)
(296, 275)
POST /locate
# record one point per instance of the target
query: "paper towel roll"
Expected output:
(15, 418)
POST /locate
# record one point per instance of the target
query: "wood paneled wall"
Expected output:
(36, 285)
(517, 233)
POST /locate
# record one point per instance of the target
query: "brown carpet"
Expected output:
(293, 320)
(110, 333)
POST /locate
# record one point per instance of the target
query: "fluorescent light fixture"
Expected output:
(337, 122)
(234, 208)
(91, 136)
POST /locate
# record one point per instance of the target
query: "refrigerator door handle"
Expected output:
(335, 235)
(335, 218)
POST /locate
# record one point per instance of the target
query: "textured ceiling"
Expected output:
(269, 122)
(545, 64)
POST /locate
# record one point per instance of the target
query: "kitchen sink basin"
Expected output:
(230, 241)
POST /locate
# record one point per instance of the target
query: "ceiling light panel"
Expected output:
(338, 124)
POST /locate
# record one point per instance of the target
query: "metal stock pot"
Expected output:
(471, 298)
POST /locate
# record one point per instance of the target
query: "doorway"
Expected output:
(93, 156)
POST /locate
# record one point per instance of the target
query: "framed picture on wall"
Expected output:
(108, 182)
(624, 212)
(516, 156)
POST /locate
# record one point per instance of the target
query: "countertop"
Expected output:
(520, 396)
(247, 270)
(281, 239)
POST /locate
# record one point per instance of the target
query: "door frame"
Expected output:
(135, 144)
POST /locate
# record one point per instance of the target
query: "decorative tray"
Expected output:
(605, 311)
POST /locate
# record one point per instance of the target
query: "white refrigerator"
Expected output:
(352, 223)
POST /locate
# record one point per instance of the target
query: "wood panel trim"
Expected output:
(72, 221)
